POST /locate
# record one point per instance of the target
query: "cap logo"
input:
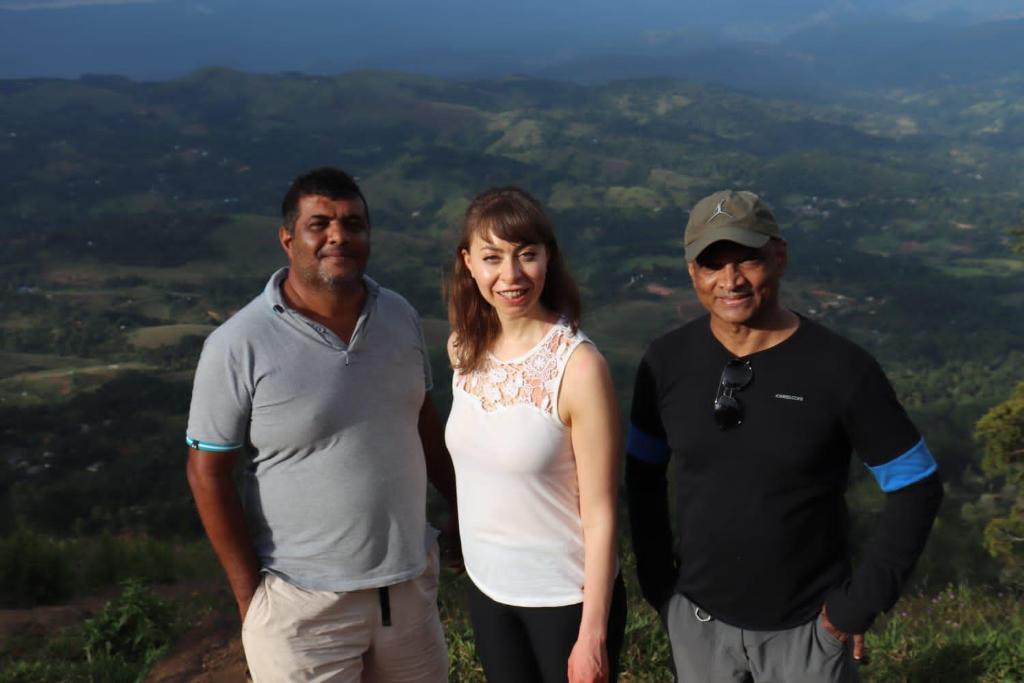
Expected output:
(719, 211)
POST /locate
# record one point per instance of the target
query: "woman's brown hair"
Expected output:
(511, 214)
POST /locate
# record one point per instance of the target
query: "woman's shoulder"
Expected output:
(586, 382)
(584, 357)
(584, 362)
(568, 335)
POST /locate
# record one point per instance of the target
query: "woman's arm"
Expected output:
(587, 405)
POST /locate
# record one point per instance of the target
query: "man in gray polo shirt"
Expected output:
(320, 383)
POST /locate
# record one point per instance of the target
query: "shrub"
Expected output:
(33, 570)
(118, 645)
(135, 628)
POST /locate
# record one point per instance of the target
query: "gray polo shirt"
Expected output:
(335, 487)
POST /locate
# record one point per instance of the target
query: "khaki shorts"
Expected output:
(295, 635)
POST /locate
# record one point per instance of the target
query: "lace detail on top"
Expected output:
(532, 379)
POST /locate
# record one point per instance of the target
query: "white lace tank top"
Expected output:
(519, 503)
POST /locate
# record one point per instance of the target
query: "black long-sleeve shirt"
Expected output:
(761, 517)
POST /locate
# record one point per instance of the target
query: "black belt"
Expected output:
(385, 605)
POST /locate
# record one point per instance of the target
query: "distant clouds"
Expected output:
(27, 5)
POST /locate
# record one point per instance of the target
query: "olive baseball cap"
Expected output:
(731, 216)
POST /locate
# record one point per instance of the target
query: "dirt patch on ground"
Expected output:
(45, 620)
(210, 652)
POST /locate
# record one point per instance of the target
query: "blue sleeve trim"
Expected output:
(213, 447)
(643, 446)
(907, 469)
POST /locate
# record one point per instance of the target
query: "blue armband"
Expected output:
(907, 469)
(646, 448)
(212, 447)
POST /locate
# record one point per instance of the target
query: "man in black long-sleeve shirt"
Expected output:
(761, 410)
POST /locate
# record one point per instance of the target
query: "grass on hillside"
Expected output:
(51, 385)
(249, 241)
(12, 363)
(40, 570)
(961, 634)
(156, 336)
(118, 645)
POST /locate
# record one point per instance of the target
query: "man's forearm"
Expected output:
(213, 488)
(647, 495)
(889, 558)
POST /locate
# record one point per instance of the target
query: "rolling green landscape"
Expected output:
(137, 216)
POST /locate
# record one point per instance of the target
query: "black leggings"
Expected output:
(532, 644)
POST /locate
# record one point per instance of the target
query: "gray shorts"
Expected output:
(706, 650)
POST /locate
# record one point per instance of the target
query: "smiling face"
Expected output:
(739, 285)
(509, 276)
(329, 245)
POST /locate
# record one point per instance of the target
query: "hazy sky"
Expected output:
(160, 38)
(24, 5)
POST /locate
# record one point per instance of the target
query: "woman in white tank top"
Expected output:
(534, 436)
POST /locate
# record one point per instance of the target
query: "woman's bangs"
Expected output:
(512, 224)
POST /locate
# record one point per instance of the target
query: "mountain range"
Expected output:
(793, 46)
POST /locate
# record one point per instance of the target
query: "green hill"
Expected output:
(136, 216)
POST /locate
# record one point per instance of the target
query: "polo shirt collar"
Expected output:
(276, 302)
